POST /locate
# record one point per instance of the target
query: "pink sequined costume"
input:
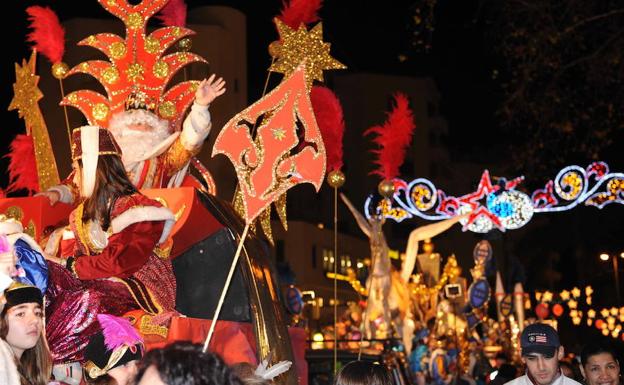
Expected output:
(111, 273)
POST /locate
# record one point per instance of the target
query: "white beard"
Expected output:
(136, 145)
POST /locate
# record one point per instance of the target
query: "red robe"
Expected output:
(124, 275)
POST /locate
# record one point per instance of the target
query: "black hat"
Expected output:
(19, 293)
(539, 338)
(117, 344)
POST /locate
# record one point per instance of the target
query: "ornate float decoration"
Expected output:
(501, 205)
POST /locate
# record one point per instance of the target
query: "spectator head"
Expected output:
(183, 363)
(112, 354)
(21, 326)
(599, 364)
(363, 373)
(541, 352)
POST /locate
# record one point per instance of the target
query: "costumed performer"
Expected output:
(110, 265)
(153, 155)
(112, 354)
(24, 355)
(379, 280)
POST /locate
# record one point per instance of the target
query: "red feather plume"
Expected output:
(328, 113)
(297, 12)
(393, 137)
(173, 14)
(22, 165)
(48, 35)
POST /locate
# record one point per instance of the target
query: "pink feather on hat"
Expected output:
(118, 332)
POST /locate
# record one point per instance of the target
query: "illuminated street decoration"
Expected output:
(500, 205)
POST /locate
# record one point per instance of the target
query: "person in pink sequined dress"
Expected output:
(107, 264)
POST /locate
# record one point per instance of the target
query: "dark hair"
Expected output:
(183, 363)
(111, 182)
(594, 348)
(35, 365)
(363, 373)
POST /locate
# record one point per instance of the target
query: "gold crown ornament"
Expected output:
(137, 71)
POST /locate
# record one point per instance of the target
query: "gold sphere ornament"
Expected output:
(386, 188)
(59, 70)
(275, 48)
(336, 178)
(185, 44)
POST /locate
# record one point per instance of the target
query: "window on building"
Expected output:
(328, 260)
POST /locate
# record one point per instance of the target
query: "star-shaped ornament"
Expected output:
(26, 92)
(565, 295)
(300, 45)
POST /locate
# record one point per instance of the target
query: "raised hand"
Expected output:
(209, 89)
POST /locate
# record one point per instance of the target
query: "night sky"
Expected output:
(557, 252)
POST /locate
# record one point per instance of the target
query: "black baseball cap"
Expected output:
(539, 338)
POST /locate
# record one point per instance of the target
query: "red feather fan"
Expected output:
(328, 112)
(173, 14)
(297, 12)
(22, 165)
(48, 35)
(393, 137)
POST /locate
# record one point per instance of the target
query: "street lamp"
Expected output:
(605, 257)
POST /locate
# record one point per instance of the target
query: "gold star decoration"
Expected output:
(565, 295)
(300, 45)
(278, 133)
(25, 90)
(25, 100)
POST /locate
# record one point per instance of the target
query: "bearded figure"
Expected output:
(153, 155)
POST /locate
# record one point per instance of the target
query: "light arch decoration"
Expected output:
(501, 205)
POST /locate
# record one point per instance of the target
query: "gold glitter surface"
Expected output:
(161, 69)
(167, 109)
(265, 223)
(135, 72)
(185, 44)
(117, 50)
(91, 40)
(100, 111)
(59, 70)
(31, 229)
(280, 207)
(152, 45)
(72, 98)
(134, 21)
(25, 100)
(110, 75)
(14, 212)
(300, 45)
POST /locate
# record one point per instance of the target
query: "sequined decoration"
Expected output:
(265, 223)
(297, 46)
(100, 111)
(14, 212)
(166, 109)
(280, 207)
(161, 69)
(110, 75)
(135, 72)
(134, 21)
(25, 101)
(152, 45)
(117, 50)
